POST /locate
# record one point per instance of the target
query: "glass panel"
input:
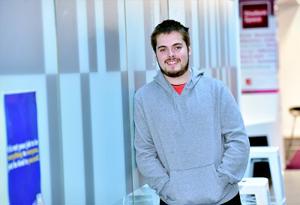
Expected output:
(21, 42)
(67, 40)
(141, 64)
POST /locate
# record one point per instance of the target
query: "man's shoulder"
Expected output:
(145, 90)
(212, 81)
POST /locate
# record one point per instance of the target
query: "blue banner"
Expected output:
(22, 148)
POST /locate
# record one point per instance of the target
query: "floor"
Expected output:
(292, 186)
(292, 177)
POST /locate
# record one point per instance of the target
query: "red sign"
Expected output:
(255, 15)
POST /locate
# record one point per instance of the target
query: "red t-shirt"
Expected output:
(179, 88)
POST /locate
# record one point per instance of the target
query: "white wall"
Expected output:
(289, 64)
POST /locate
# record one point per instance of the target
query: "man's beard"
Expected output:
(177, 73)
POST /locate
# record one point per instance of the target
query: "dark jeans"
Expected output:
(234, 201)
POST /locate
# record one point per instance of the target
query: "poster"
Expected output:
(259, 64)
(23, 160)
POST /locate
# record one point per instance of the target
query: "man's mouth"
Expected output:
(172, 61)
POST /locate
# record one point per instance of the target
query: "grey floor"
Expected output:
(292, 186)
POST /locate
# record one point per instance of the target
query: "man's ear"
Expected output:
(190, 50)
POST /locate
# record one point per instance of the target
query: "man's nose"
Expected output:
(170, 52)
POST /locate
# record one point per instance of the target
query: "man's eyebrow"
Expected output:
(177, 44)
(162, 46)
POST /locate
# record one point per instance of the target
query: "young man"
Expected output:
(190, 141)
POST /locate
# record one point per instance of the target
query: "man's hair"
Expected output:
(168, 26)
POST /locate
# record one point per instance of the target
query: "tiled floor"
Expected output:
(292, 186)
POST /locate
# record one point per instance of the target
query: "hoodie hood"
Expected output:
(192, 81)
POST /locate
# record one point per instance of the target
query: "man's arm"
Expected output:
(236, 142)
(147, 159)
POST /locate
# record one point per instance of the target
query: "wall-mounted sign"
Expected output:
(22, 148)
(255, 15)
(258, 47)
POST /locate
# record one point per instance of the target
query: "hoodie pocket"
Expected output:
(201, 185)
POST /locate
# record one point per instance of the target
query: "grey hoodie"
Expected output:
(191, 148)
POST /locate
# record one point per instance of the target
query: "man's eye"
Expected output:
(162, 50)
(178, 47)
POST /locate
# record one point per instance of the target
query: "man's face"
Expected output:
(172, 54)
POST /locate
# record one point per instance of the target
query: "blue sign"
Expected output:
(22, 148)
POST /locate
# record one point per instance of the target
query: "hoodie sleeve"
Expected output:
(236, 142)
(147, 159)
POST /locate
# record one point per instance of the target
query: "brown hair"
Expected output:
(168, 26)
